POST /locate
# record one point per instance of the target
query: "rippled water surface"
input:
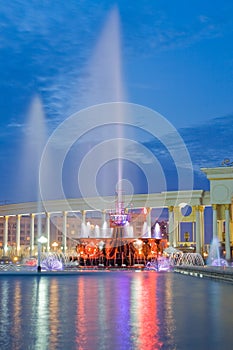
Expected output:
(115, 310)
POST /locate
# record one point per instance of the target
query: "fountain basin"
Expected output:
(223, 274)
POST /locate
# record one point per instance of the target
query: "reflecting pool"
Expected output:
(115, 310)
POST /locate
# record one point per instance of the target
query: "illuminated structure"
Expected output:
(73, 212)
(121, 217)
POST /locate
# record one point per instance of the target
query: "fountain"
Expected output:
(83, 230)
(54, 261)
(119, 222)
(160, 264)
(105, 229)
(65, 314)
(51, 262)
(214, 258)
(219, 262)
(120, 217)
(97, 231)
(35, 140)
(103, 84)
(157, 231)
(145, 231)
(186, 259)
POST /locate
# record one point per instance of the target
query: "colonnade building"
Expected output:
(65, 221)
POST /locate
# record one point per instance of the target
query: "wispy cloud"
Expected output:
(14, 124)
(167, 30)
(203, 18)
(205, 142)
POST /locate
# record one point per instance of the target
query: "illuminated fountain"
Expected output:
(214, 258)
(186, 259)
(97, 231)
(51, 262)
(105, 229)
(157, 231)
(145, 230)
(120, 218)
(33, 145)
(160, 264)
(119, 222)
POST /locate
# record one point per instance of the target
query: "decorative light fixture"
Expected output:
(120, 217)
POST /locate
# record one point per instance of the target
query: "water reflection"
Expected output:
(4, 311)
(17, 325)
(166, 313)
(80, 334)
(42, 312)
(111, 310)
(144, 316)
(54, 318)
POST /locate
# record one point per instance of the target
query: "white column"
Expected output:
(193, 232)
(48, 230)
(198, 230)
(18, 234)
(32, 233)
(103, 217)
(227, 232)
(148, 221)
(220, 229)
(171, 224)
(84, 216)
(176, 226)
(202, 227)
(83, 226)
(5, 238)
(64, 231)
(215, 226)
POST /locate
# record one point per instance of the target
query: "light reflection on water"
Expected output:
(114, 310)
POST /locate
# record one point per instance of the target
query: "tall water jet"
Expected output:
(83, 230)
(105, 84)
(88, 229)
(129, 230)
(158, 234)
(35, 140)
(214, 258)
(105, 229)
(103, 79)
(97, 231)
(214, 254)
(145, 233)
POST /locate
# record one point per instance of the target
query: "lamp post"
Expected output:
(41, 240)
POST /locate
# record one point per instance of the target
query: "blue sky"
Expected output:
(176, 58)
